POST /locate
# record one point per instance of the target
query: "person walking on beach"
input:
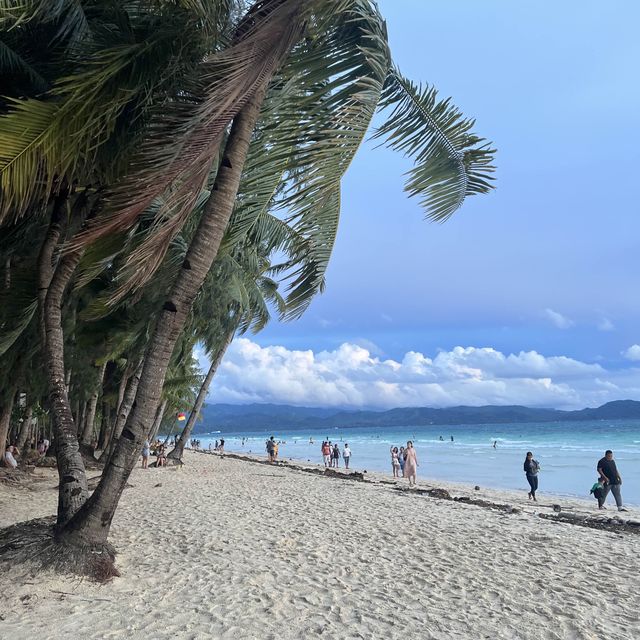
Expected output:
(402, 456)
(531, 468)
(611, 480)
(411, 464)
(271, 449)
(346, 455)
(326, 453)
(335, 456)
(395, 462)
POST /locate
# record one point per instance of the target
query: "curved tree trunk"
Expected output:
(110, 427)
(87, 432)
(170, 432)
(73, 479)
(5, 419)
(123, 412)
(177, 452)
(45, 257)
(92, 523)
(81, 414)
(105, 427)
(158, 421)
(25, 428)
(122, 387)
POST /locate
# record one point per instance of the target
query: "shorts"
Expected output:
(327, 459)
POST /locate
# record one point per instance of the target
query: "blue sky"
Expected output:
(548, 262)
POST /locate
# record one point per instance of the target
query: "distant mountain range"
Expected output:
(274, 416)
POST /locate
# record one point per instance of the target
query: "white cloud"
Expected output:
(606, 325)
(632, 353)
(370, 346)
(558, 320)
(352, 376)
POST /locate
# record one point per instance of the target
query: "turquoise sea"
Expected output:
(567, 451)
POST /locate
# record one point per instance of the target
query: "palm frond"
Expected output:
(68, 15)
(61, 136)
(183, 140)
(11, 62)
(451, 163)
(314, 120)
(18, 304)
(139, 55)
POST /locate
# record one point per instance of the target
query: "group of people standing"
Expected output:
(218, 446)
(404, 462)
(331, 454)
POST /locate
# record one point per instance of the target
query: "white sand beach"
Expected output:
(226, 548)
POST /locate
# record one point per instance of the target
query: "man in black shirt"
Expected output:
(610, 479)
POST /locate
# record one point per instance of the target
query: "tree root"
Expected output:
(34, 545)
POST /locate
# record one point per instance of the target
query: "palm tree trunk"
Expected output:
(87, 432)
(111, 426)
(93, 522)
(177, 452)
(122, 387)
(5, 419)
(123, 412)
(170, 432)
(73, 490)
(13, 427)
(24, 429)
(158, 420)
(45, 258)
(80, 413)
(105, 426)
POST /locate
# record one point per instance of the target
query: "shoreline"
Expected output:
(566, 471)
(583, 504)
(236, 548)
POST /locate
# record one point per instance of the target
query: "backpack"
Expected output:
(598, 490)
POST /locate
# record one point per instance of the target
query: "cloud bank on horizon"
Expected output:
(352, 377)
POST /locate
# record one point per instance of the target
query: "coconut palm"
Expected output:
(299, 81)
(236, 296)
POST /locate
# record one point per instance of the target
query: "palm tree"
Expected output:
(236, 295)
(300, 82)
(70, 133)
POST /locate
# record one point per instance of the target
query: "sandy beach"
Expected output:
(226, 548)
